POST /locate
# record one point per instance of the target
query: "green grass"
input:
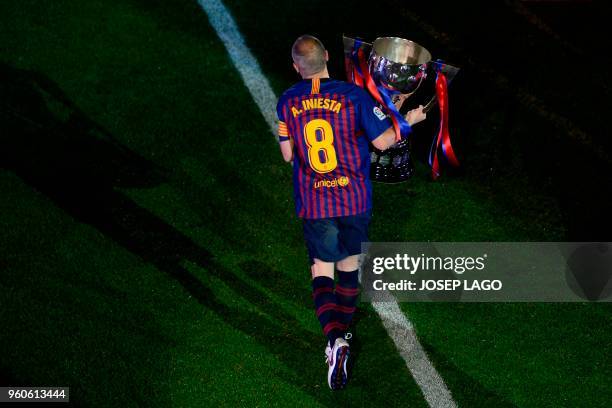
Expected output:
(163, 265)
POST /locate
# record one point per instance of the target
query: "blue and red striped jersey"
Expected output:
(330, 123)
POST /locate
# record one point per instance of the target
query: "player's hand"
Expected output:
(398, 100)
(416, 115)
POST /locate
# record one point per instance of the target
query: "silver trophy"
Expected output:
(398, 64)
(402, 67)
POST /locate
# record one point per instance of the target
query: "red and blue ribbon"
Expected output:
(362, 78)
(442, 140)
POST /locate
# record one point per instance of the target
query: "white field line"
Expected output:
(243, 59)
(399, 328)
(403, 335)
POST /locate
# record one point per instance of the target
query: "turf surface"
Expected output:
(150, 254)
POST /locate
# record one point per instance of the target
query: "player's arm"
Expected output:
(387, 138)
(286, 147)
(284, 138)
(285, 142)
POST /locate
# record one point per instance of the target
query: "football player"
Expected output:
(325, 127)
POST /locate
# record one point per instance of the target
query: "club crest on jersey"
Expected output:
(379, 114)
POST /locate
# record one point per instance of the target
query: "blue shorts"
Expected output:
(333, 239)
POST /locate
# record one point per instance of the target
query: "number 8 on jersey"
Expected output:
(321, 153)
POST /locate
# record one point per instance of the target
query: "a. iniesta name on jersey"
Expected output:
(316, 103)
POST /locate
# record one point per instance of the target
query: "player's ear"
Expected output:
(296, 68)
(326, 56)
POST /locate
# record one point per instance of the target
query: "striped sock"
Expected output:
(325, 305)
(347, 292)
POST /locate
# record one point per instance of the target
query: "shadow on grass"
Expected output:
(467, 391)
(51, 145)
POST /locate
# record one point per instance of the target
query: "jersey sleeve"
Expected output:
(283, 131)
(372, 119)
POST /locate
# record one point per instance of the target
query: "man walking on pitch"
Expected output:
(324, 128)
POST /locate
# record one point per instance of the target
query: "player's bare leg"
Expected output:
(322, 268)
(349, 263)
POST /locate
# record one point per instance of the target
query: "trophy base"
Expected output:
(393, 165)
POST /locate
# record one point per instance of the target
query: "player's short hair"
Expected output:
(308, 54)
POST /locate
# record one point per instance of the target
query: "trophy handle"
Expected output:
(450, 72)
(432, 102)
